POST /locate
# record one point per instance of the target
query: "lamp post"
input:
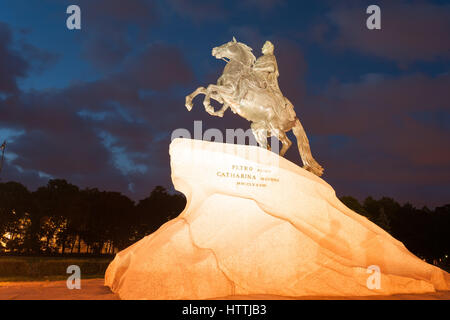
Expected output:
(2, 148)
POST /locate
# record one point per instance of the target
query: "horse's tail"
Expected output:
(309, 163)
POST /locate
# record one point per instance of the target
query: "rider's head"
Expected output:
(267, 48)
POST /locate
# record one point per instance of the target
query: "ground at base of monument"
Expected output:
(94, 289)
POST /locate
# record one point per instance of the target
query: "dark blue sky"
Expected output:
(97, 106)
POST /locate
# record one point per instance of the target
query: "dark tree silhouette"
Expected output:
(423, 231)
(157, 209)
(15, 203)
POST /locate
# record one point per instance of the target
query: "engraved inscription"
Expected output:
(249, 176)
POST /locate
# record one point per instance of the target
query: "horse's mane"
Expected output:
(248, 52)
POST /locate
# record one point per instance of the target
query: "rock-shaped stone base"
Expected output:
(257, 224)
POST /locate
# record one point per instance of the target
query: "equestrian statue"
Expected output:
(249, 87)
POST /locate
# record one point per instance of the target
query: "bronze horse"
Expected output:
(257, 105)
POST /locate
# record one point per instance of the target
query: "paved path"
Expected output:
(93, 289)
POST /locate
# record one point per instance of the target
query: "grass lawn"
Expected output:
(23, 268)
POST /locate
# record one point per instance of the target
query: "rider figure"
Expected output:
(266, 68)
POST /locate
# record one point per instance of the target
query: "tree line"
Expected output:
(424, 232)
(61, 218)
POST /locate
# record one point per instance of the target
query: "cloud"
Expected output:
(292, 67)
(106, 37)
(12, 64)
(362, 106)
(104, 133)
(264, 5)
(410, 31)
(158, 67)
(40, 59)
(199, 10)
(379, 136)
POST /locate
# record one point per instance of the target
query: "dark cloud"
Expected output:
(367, 104)
(61, 155)
(113, 17)
(40, 59)
(30, 178)
(200, 10)
(105, 53)
(410, 31)
(264, 5)
(12, 64)
(106, 133)
(368, 133)
(292, 67)
(107, 13)
(158, 67)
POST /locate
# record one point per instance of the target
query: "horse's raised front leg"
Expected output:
(189, 98)
(214, 95)
(224, 108)
(207, 103)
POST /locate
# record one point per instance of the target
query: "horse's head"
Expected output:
(234, 50)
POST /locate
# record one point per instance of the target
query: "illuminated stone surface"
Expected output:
(257, 224)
